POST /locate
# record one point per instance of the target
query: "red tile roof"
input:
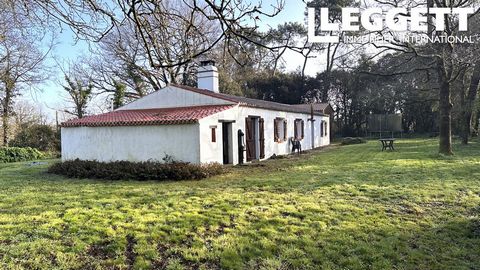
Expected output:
(148, 117)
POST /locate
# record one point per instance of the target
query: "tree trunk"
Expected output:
(445, 124)
(475, 115)
(6, 116)
(469, 105)
(5, 128)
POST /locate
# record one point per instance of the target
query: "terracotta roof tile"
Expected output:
(148, 117)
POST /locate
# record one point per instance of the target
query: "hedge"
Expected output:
(352, 140)
(16, 154)
(125, 170)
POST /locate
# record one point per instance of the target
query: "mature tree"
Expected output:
(464, 94)
(331, 51)
(22, 63)
(242, 62)
(440, 58)
(80, 92)
(119, 95)
(118, 58)
(284, 87)
(122, 58)
(289, 35)
(27, 114)
(470, 81)
(476, 118)
(186, 22)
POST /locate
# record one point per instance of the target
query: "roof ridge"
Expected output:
(246, 101)
(173, 108)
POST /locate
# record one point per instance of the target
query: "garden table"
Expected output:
(387, 143)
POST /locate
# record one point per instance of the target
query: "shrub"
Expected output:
(16, 154)
(352, 140)
(41, 137)
(135, 170)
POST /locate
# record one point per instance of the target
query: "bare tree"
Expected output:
(154, 20)
(119, 58)
(468, 95)
(22, 63)
(444, 60)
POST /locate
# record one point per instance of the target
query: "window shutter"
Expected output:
(275, 130)
(249, 139)
(295, 129)
(214, 135)
(303, 129)
(261, 131)
(284, 130)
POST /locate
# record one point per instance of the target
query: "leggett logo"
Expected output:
(375, 19)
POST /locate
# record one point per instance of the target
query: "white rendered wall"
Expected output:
(135, 143)
(213, 152)
(207, 78)
(170, 97)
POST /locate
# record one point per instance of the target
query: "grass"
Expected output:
(348, 207)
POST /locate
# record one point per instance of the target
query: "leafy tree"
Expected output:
(41, 137)
(119, 95)
(284, 87)
(80, 94)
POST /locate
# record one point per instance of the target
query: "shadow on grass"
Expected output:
(296, 241)
(349, 207)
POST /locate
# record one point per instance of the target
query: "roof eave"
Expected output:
(131, 124)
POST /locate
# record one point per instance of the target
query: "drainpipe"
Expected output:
(312, 124)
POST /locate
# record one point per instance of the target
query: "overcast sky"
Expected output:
(51, 96)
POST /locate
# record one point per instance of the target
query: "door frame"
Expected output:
(227, 142)
(255, 120)
(312, 124)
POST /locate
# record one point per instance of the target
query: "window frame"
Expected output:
(280, 123)
(296, 134)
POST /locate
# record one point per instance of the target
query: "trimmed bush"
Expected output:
(135, 170)
(352, 140)
(16, 154)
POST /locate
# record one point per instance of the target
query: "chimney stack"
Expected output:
(207, 76)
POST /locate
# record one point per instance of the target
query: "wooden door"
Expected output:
(250, 138)
(225, 142)
(261, 131)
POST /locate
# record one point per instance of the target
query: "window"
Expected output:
(299, 128)
(321, 128)
(214, 133)
(325, 128)
(280, 129)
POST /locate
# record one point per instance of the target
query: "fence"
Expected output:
(384, 124)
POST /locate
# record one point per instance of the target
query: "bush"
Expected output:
(135, 170)
(16, 154)
(42, 137)
(352, 140)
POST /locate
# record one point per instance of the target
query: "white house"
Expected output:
(194, 125)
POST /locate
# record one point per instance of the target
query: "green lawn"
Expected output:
(349, 207)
